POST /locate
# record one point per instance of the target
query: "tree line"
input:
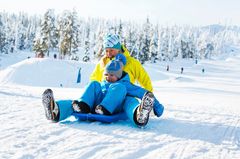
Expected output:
(81, 39)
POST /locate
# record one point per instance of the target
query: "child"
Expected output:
(108, 96)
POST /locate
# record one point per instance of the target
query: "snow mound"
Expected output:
(46, 72)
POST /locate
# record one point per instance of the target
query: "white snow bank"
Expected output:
(46, 72)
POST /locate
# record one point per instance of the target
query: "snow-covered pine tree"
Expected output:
(48, 31)
(7, 31)
(75, 33)
(186, 45)
(160, 33)
(31, 32)
(130, 40)
(139, 46)
(68, 32)
(98, 48)
(3, 41)
(191, 45)
(176, 53)
(120, 31)
(86, 57)
(145, 52)
(201, 43)
(164, 44)
(154, 46)
(21, 31)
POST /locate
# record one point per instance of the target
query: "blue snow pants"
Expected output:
(112, 99)
(94, 96)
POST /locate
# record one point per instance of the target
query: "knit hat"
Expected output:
(112, 41)
(115, 67)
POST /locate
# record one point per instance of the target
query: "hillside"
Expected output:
(201, 118)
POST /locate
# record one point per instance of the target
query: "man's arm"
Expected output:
(142, 76)
(96, 74)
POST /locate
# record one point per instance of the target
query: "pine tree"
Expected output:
(131, 41)
(68, 32)
(21, 33)
(75, 32)
(48, 32)
(86, 57)
(144, 56)
(154, 46)
(120, 30)
(3, 42)
(164, 44)
(98, 48)
(31, 32)
(139, 45)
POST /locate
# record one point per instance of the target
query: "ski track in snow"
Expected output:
(201, 120)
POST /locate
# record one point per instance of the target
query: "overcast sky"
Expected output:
(193, 12)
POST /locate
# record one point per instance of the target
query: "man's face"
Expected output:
(110, 77)
(110, 52)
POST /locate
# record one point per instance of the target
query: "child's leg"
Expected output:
(92, 94)
(114, 98)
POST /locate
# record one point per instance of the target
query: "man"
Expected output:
(63, 108)
(133, 67)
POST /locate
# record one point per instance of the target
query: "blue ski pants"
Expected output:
(114, 100)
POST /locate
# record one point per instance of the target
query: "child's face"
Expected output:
(110, 77)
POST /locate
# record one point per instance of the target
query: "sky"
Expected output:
(186, 12)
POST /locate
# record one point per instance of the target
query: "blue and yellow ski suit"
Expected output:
(136, 73)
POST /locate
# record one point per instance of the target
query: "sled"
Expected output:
(101, 118)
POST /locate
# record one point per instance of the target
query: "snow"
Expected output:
(201, 118)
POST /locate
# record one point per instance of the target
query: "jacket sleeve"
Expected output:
(142, 77)
(96, 74)
(134, 90)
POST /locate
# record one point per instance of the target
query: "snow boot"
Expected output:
(80, 107)
(143, 111)
(50, 107)
(101, 110)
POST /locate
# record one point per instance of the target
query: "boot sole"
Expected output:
(145, 108)
(48, 104)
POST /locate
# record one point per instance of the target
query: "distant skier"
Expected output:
(181, 70)
(55, 56)
(167, 67)
(203, 70)
(196, 61)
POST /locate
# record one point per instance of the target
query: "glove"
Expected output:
(122, 58)
(158, 109)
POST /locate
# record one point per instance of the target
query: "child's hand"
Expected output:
(121, 58)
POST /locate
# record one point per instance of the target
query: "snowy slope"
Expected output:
(201, 120)
(46, 72)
